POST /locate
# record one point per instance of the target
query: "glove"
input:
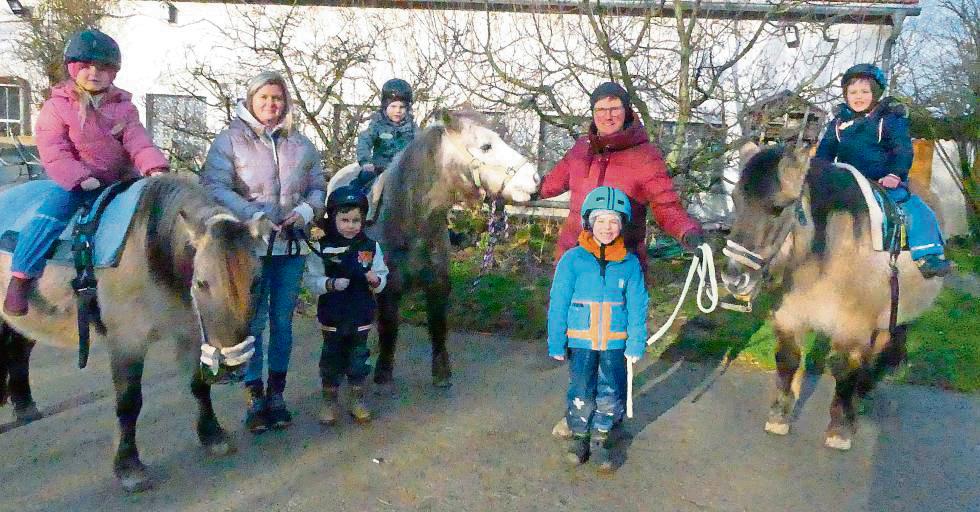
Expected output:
(890, 181)
(692, 239)
(633, 359)
(340, 284)
(368, 168)
(90, 184)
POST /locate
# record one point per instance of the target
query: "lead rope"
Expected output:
(704, 266)
(496, 230)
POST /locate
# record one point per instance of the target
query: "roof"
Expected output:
(868, 12)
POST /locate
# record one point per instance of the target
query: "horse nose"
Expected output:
(735, 281)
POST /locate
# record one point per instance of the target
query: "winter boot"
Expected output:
(15, 303)
(330, 408)
(256, 420)
(358, 408)
(577, 451)
(599, 450)
(931, 265)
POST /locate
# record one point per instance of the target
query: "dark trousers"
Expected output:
(344, 353)
(596, 390)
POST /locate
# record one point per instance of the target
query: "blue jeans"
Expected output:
(43, 230)
(275, 301)
(596, 389)
(922, 227)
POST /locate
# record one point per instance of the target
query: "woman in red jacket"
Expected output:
(618, 153)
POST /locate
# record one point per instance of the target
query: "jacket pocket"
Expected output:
(579, 318)
(618, 318)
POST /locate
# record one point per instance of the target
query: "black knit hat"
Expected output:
(610, 89)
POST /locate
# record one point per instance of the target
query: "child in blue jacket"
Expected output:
(390, 131)
(598, 317)
(872, 134)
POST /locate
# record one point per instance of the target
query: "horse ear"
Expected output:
(793, 168)
(747, 151)
(260, 227)
(184, 223)
(448, 119)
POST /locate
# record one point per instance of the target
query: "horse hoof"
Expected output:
(219, 449)
(838, 443)
(442, 382)
(135, 481)
(561, 430)
(27, 413)
(779, 428)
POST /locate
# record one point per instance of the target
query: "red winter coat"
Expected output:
(628, 161)
(107, 146)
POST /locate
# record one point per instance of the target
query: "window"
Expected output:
(178, 126)
(15, 115)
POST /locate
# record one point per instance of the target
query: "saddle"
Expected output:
(86, 243)
(114, 207)
(887, 219)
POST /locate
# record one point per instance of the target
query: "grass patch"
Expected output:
(944, 345)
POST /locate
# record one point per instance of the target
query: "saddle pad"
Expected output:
(875, 211)
(20, 202)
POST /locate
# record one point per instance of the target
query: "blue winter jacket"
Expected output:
(597, 310)
(877, 144)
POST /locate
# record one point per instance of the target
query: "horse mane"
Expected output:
(410, 195)
(169, 248)
(832, 189)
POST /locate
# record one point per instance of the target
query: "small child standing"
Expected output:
(597, 316)
(88, 136)
(391, 129)
(350, 269)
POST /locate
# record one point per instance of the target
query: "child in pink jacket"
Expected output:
(89, 136)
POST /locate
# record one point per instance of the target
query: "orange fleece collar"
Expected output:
(616, 251)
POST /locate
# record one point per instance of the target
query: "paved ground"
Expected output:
(485, 444)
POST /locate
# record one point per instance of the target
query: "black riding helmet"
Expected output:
(347, 195)
(395, 89)
(93, 46)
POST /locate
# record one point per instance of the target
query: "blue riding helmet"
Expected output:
(394, 90)
(93, 46)
(865, 71)
(606, 198)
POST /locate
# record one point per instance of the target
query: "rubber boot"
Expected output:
(256, 420)
(577, 450)
(358, 407)
(933, 265)
(15, 303)
(599, 452)
(330, 408)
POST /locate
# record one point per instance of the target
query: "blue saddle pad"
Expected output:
(20, 202)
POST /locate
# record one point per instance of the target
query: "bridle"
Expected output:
(791, 215)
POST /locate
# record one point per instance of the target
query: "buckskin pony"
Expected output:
(185, 274)
(808, 221)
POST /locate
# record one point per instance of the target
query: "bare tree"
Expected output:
(679, 62)
(939, 69)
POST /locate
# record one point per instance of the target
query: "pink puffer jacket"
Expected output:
(107, 146)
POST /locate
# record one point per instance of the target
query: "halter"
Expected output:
(755, 261)
(220, 365)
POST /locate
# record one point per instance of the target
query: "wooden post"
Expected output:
(920, 175)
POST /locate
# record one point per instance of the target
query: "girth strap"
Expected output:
(85, 284)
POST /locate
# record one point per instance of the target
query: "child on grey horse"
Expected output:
(350, 269)
(391, 129)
